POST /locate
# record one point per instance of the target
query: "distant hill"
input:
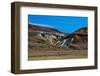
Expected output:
(82, 30)
(80, 38)
(41, 28)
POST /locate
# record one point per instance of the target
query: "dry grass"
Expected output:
(42, 50)
(60, 54)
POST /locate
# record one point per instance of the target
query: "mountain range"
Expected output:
(47, 29)
(79, 36)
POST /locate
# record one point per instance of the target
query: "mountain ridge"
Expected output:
(37, 27)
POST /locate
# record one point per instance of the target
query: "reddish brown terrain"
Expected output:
(47, 43)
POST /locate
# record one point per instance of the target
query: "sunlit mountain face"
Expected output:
(64, 24)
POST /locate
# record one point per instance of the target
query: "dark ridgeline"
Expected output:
(41, 28)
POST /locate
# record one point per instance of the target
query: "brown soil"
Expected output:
(39, 49)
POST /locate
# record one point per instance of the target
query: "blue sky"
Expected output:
(66, 24)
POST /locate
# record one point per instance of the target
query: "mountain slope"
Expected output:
(41, 28)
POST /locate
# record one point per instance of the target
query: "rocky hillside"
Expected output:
(79, 39)
(44, 37)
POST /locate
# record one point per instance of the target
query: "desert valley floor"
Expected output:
(60, 54)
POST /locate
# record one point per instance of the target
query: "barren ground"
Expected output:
(41, 50)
